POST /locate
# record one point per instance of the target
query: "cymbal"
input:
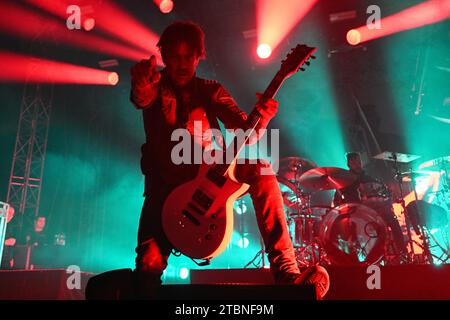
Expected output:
(396, 156)
(291, 168)
(327, 178)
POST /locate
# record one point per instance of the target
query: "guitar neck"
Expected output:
(252, 122)
(294, 60)
(269, 93)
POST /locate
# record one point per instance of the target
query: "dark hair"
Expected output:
(353, 156)
(179, 31)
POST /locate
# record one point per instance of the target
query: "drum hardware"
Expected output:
(308, 248)
(357, 247)
(303, 219)
(353, 234)
(327, 178)
(425, 217)
(259, 255)
(291, 168)
(441, 165)
(374, 191)
(356, 233)
(396, 157)
(418, 227)
(410, 219)
(436, 208)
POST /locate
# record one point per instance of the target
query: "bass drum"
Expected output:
(353, 234)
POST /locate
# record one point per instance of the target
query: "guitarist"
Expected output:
(174, 98)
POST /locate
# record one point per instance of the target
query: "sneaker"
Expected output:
(314, 275)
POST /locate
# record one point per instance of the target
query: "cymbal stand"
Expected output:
(425, 246)
(310, 249)
(299, 206)
(401, 200)
(446, 251)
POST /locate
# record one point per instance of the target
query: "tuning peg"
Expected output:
(302, 69)
(307, 63)
(313, 57)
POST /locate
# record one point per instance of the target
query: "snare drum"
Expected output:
(353, 234)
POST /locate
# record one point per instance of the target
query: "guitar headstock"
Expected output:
(298, 56)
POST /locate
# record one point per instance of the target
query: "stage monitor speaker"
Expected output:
(118, 285)
(111, 285)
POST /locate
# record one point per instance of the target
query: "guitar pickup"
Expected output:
(202, 199)
(188, 215)
(215, 177)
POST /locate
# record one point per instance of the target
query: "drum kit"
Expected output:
(347, 234)
(322, 234)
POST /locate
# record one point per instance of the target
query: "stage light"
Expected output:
(275, 19)
(165, 6)
(24, 23)
(108, 63)
(130, 30)
(20, 68)
(342, 16)
(39, 224)
(107, 19)
(113, 78)
(240, 207)
(425, 13)
(353, 37)
(243, 242)
(263, 51)
(89, 24)
(434, 230)
(184, 273)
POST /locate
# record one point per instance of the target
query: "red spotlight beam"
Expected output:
(20, 68)
(27, 24)
(112, 20)
(417, 16)
(275, 19)
(128, 30)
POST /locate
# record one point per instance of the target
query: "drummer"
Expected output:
(351, 194)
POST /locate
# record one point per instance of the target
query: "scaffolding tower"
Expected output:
(25, 181)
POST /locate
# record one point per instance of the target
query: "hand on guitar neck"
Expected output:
(263, 111)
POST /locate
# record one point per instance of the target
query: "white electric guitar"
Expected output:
(197, 216)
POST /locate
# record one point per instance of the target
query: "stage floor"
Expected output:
(408, 282)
